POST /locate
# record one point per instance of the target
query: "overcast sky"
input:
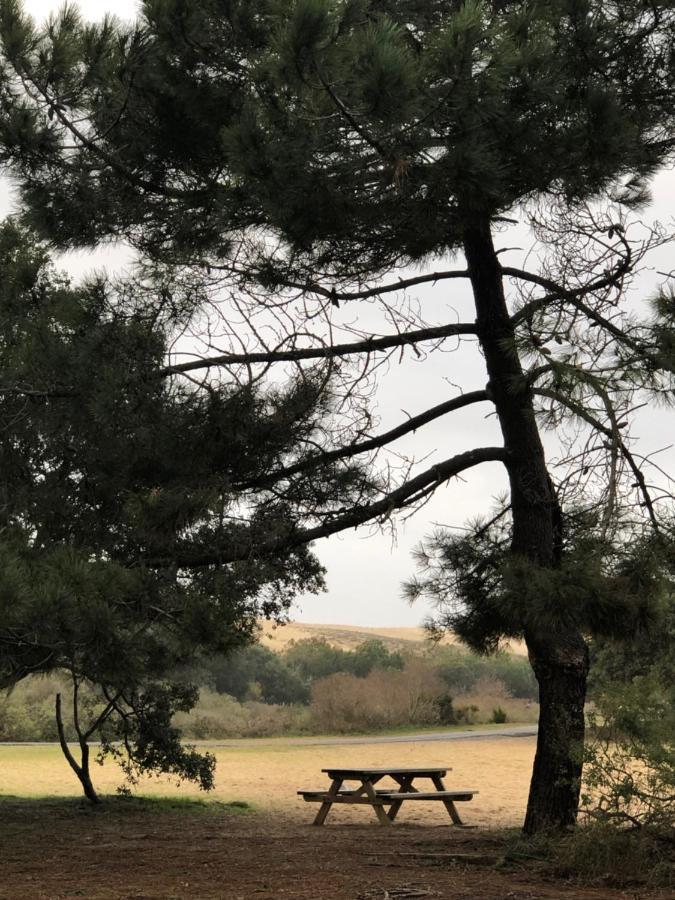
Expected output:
(365, 571)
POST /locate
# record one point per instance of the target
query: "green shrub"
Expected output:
(499, 716)
(445, 710)
(630, 760)
(461, 670)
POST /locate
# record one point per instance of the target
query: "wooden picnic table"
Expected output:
(366, 792)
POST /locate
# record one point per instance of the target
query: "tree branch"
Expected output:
(369, 345)
(374, 443)
(612, 434)
(557, 290)
(407, 494)
(400, 285)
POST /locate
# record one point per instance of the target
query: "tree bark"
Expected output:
(560, 659)
(561, 666)
(80, 769)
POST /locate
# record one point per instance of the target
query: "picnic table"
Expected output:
(365, 791)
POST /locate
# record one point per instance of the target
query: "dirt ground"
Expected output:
(174, 845)
(59, 849)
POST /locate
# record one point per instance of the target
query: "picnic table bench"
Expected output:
(365, 792)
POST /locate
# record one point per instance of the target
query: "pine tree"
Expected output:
(105, 465)
(313, 147)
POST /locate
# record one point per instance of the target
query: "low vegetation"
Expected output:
(315, 687)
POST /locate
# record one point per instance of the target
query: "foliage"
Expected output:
(106, 478)
(315, 658)
(484, 593)
(603, 853)
(630, 765)
(499, 716)
(598, 854)
(289, 154)
(151, 743)
(383, 699)
(461, 670)
(579, 90)
(252, 673)
(218, 716)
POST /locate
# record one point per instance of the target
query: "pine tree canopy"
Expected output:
(208, 121)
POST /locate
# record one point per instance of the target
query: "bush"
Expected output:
(499, 716)
(598, 853)
(384, 699)
(630, 762)
(460, 670)
(602, 852)
(218, 716)
(489, 695)
(445, 711)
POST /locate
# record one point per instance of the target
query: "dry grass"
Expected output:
(269, 776)
(347, 637)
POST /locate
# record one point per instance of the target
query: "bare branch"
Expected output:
(374, 443)
(369, 345)
(583, 413)
(400, 285)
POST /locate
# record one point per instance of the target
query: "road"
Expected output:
(514, 731)
(424, 737)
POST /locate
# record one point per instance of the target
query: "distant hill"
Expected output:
(347, 637)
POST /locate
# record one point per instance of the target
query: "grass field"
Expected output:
(268, 775)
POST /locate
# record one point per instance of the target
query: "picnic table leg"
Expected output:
(405, 784)
(324, 809)
(369, 791)
(449, 805)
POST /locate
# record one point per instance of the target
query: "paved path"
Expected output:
(337, 740)
(424, 737)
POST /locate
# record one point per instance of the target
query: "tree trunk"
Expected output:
(560, 659)
(561, 667)
(80, 769)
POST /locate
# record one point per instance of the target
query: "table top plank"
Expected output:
(357, 773)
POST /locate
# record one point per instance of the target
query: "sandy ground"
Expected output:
(179, 850)
(268, 777)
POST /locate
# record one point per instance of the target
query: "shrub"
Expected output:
(445, 710)
(384, 699)
(218, 716)
(603, 852)
(630, 760)
(460, 670)
(499, 716)
(466, 714)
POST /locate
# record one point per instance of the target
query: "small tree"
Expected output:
(104, 465)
